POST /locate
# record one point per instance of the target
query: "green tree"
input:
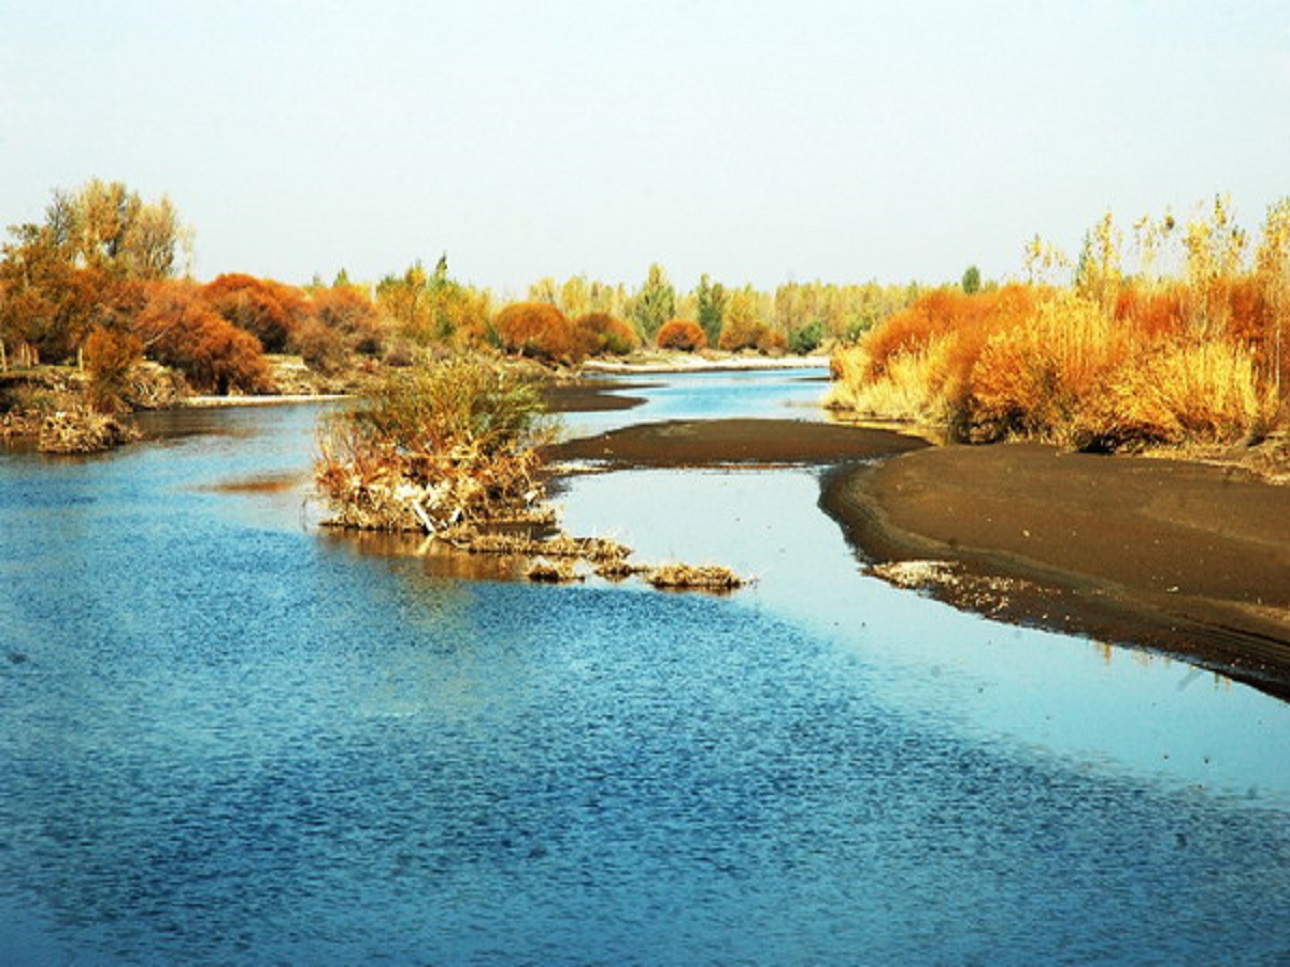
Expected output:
(655, 304)
(710, 298)
(971, 281)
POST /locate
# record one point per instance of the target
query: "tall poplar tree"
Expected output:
(655, 304)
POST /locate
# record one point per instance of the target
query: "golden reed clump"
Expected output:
(1058, 366)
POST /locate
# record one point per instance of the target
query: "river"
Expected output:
(229, 737)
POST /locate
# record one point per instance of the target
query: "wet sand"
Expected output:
(1185, 558)
(749, 442)
(591, 396)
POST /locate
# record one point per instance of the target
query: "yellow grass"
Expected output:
(1062, 369)
(910, 387)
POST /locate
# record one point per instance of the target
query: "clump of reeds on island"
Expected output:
(435, 446)
(451, 448)
(1186, 349)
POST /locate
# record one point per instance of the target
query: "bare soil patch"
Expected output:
(707, 443)
(1187, 558)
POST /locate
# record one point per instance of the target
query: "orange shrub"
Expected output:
(599, 334)
(968, 319)
(535, 329)
(772, 342)
(739, 334)
(1038, 378)
(268, 310)
(179, 329)
(110, 355)
(682, 334)
(346, 310)
(321, 347)
(1153, 313)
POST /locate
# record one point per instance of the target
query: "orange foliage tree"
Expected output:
(535, 329)
(682, 334)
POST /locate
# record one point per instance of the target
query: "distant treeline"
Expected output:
(101, 281)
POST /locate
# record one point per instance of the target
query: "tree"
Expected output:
(82, 267)
(971, 281)
(105, 224)
(710, 299)
(1098, 271)
(654, 304)
(1272, 268)
(432, 307)
(744, 327)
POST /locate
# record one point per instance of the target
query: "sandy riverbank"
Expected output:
(1185, 558)
(707, 443)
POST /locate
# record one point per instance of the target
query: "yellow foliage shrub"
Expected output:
(912, 385)
(1035, 378)
(1205, 391)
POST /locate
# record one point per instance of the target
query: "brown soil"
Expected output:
(590, 396)
(1186, 558)
(705, 443)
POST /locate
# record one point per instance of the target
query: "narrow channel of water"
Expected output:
(227, 738)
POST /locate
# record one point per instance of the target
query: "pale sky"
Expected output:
(759, 142)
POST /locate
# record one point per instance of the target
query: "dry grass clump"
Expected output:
(1060, 367)
(706, 577)
(553, 572)
(619, 569)
(564, 546)
(453, 442)
(558, 559)
(1041, 378)
(915, 575)
(1208, 392)
(907, 389)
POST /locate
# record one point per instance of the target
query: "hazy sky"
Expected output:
(756, 141)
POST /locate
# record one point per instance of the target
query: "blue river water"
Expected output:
(228, 737)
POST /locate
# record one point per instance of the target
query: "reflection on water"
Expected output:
(233, 739)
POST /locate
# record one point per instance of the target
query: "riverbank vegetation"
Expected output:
(1185, 344)
(102, 285)
(435, 446)
(453, 451)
